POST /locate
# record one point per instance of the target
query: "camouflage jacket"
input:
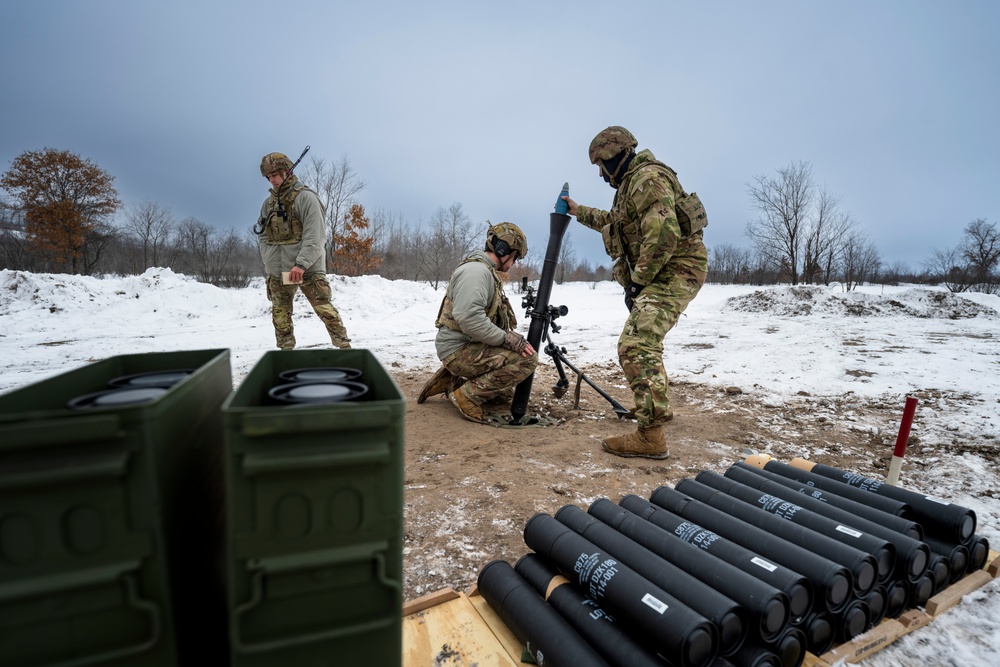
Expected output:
(475, 307)
(641, 232)
(299, 238)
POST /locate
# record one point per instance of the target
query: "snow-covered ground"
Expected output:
(875, 343)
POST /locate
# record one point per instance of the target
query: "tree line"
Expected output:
(802, 235)
(62, 214)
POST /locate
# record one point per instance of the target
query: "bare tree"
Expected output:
(337, 185)
(451, 237)
(784, 202)
(380, 223)
(397, 244)
(971, 266)
(582, 271)
(191, 247)
(238, 258)
(151, 225)
(15, 249)
(729, 264)
(859, 259)
(97, 240)
(824, 236)
(763, 270)
(948, 267)
(896, 273)
(529, 268)
(224, 260)
(981, 250)
(566, 260)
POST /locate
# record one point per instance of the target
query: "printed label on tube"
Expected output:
(655, 604)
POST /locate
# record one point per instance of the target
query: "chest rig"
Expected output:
(281, 222)
(500, 312)
(623, 236)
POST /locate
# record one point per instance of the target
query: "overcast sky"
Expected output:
(493, 105)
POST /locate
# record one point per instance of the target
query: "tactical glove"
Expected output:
(515, 342)
(631, 292)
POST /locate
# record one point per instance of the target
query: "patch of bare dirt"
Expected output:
(470, 489)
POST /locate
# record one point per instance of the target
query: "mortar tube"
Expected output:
(897, 598)
(890, 505)
(883, 551)
(921, 590)
(852, 621)
(911, 555)
(829, 498)
(547, 636)
(819, 628)
(729, 618)
(794, 585)
(660, 620)
(957, 555)
(558, 224)
(832, 581)
(863, 567)
(979, 552)
(768, 606)
(789, 646)
(598, 627)
(877, 599)
(939, 571)
(945, 520)
(754, 655)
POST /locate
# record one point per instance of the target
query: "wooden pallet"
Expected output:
(892, 629)
(452, 629)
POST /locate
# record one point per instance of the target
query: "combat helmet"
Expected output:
(505, 238)
(611, 141)
(273, 162)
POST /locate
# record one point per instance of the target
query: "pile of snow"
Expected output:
(810, 300)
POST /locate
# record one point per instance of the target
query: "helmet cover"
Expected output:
(512, 238)
(611, 141)
(273, 162)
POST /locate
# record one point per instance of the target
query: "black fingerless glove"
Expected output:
(631, 292)
(514, 342)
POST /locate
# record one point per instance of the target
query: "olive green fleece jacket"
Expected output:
(472, 291)
(310, 252)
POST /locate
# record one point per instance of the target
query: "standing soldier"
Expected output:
(654, 235)
(291, 233)
(476, 338)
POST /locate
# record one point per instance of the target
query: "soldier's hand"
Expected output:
(573, 207)
(295, 275)
(517, 343)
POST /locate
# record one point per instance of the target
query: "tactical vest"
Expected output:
(622, 236)
(284, 229)
(499, 312)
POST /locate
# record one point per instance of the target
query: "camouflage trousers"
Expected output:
(317, 290)
(640, 346)
(492, 372)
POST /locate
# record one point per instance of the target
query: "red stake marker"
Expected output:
(904, 434)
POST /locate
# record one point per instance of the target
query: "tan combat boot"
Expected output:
(469, 410)
(439, 383)
(647, 442)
